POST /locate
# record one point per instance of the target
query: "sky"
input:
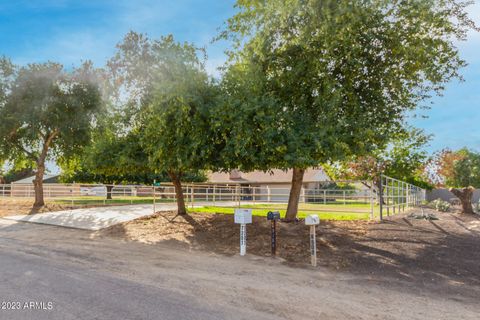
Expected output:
(69, 32)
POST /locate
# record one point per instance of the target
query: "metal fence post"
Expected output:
(380, 197)
(154, 206)
(372, 205)
(192, 192)
(214, 194)
(239, 195)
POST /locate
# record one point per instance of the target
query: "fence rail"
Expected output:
(363, 198)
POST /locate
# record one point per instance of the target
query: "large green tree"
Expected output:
(176, 123)
(163, 95)
(47, 113)
(460, 170)
(112, 158)
(337, 77)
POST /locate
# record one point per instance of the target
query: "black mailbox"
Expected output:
(273, 215)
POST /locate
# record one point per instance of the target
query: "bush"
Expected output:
(440, 205)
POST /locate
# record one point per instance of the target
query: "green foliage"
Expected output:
(113, 158)
(420, 182)
(466, 170)
(403, 158)
(174, 126)
(457, 168)
(159, 95)
(317, 81)
(47, 108)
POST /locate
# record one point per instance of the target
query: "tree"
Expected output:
(338, 76)
(163, 94)
(112, 158)
(175, 125)
(48, 113)
(403, 158)
(461, 171)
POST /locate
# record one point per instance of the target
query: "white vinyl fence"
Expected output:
(356, 198)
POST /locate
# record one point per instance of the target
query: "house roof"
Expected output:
(274, 176)
(30, 179)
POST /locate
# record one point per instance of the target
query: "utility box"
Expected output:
(312, 220)
(273, 215)
(243, 216)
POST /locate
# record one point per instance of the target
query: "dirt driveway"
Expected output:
(400, 269)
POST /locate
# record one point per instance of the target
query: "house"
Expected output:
(268, 186)
(48, 178)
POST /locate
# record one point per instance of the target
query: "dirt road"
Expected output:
(107, 278)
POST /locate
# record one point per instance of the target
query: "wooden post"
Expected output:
(324, 196)
(269, 198)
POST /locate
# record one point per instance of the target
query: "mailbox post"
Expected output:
(242, 217)
(273, 216)
(313, 220)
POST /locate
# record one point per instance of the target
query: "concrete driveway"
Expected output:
(93, 218)
(104, 217)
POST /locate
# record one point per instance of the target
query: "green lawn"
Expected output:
(304, 210)
(351, 210)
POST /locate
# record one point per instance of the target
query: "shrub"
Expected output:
(440, 205)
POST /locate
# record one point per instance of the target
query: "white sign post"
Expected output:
(313, 220)
(242, 217)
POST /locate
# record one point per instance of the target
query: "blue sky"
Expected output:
(68, 31)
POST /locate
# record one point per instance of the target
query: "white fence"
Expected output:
(352, 198)
(397, 195)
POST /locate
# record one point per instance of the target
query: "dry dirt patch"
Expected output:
(15, 206)
(10, 207)
(217, 233)
(444, 250)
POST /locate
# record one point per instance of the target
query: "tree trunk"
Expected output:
(380, 189)
(294, 198)
(181, 209)
(465, 195)
(38, 182)
(38, 186)
(109, 192)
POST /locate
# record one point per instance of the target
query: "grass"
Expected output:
(262, 210)
(349, 210)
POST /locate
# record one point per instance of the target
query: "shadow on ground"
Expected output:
(402, 248)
